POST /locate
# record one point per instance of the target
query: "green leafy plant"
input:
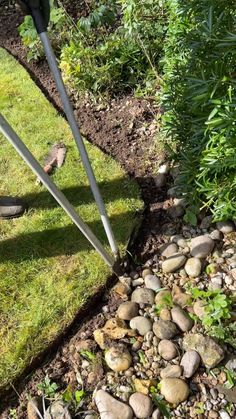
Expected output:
(217, 309)
(116, 48)
(73, 398)
(199, 408)
(217, 306)
(159, 402)
(58, 30)
(231, 378)
(166, 301)
(88, 355)
(47, 388)
(142, 357)
(199, 98)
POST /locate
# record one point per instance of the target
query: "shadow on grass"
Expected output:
(66, 240)
(111, 191)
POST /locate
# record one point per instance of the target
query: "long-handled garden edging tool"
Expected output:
(40, 12)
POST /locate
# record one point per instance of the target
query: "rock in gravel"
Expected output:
(229, 393)
(224, 415)
(118, 358)
(142, 386)
(141, 405)
(231, 363)
(143, 296)
(162, 296)
(168, 249)
(225, 226)
(193, 267)
(167, 350)
(165, 314)
(201, 246)
(114, 328)
(128, 310)
(210, 351)
(164, 329)
(171, 371)
(156, 414)
(110, 408)
(57, 410)
(182, 299)
(182, 319)
(160, 180)
(146, 271)
(141, 324)
(122, 289)
(190, 363)
(199, 308)
(34, 405)
(174, 390)
(152, 282)
(216, 235)
(173, 263)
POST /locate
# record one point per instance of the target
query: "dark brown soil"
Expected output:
(125, 128)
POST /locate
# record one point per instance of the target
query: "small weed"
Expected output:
(166, 301)
(199, 408)
(218, 308)
(74, 398)
(231, 378)
(12, 414)
(47, 388)
(142, 357)
(159, 402)
(88, 355)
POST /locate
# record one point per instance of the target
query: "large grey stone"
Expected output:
(168, 249)
(171, 371)
(141, 405)
(173, 263)
(231, 363)
(210, 351)
(118, 358)
(225, 226)
(229, 393)
(165, 329)
(182, 319)
(143, 296)
(141, 324)
(167, 350)
(152, 282)
(190, 363)
(193, 267)
(110, 408)
(201, 246)
(174, 390)
(128, 310)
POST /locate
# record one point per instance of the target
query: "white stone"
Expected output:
(110, 408)
(190, 363)
(193, 267)
(201, 246)
(141, 324)
(141, 405)
(225, 226)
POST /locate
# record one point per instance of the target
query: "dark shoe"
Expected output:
(11, 207)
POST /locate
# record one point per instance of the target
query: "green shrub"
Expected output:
(58, 32)
(199, 98)
(117, 47)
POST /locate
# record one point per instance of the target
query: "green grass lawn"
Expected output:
(48, 270)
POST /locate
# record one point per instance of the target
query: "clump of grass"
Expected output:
(48, 270)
